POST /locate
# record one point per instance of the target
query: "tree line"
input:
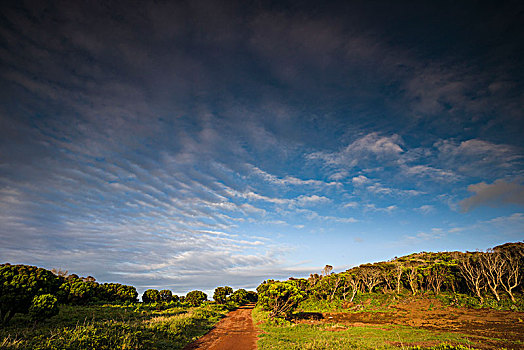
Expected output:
(37, 291)
(497, 271)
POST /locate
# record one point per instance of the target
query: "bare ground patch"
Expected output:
(489, 328)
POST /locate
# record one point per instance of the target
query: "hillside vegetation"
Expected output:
(493, 277)
(446, 300)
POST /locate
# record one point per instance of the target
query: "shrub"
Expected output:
(76, 291)
(252, 297)
(221, 293)
(240, 296)
(43, 306)
(195, 297)
(151, 296)
(19, 284)
(117, 292)
(166, 295)
(280, 298)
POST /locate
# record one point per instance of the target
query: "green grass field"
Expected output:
(113, 327)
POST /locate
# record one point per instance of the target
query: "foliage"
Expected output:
(151, 296)
(19, 284)
(221, 293)
(166, 295)
(43, 306)
(118, 292)
(252, 297)
(80, 291)
(195, 298)
(280, 298)
(240, 296)
(175, 298)
(76, 291)
(497, 272)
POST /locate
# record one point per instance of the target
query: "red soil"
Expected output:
(489, 328)
(234, 332)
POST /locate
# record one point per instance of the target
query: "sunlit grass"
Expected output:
(112, 327)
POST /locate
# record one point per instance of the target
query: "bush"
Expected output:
(43, 307)
(280, 298)
(221, 293)
(76, 291)
(240, 297)
(252, 297)
(175, 298)
(166, 295)
(151, 296)
(117, 292)
(195, 298)
(19, 284)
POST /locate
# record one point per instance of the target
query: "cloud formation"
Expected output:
(496, 194)
(199, 144)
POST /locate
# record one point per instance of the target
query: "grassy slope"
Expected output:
(112, 327)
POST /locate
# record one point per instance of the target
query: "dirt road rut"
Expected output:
(235, 332)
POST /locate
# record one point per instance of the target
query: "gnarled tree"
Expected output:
(471, 269)
(371, 277)
(493, 264)
(512, 276)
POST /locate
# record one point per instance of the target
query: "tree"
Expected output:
(512, 275)
(471, 270)
(166, 295)
(351, 285)
(195, 298)
(42, 307)
(280, 298)
(19, 284)
(117, 292)
(412, 276)
(493, 266)
(240, 296)
(327, 270)
(252, 297)
(151, 296)
(76, 291)
(436, 276)
(221, 293)
(397, 273)
(370, 276)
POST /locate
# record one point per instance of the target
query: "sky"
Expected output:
(190, 145)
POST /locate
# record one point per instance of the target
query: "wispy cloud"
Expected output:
(425, 209)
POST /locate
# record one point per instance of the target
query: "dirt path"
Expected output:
(235, 332)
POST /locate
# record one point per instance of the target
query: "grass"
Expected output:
(287, 335)
(113, 327)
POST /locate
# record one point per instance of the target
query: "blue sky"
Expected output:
(192, 145)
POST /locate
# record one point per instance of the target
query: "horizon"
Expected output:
(206, 144)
